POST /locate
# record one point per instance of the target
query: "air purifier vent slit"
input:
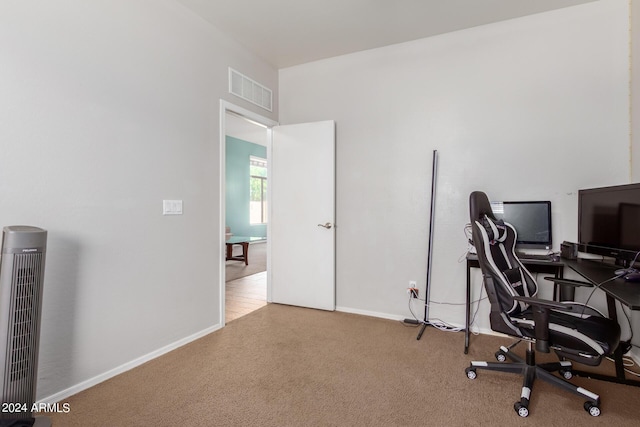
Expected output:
(25, 295)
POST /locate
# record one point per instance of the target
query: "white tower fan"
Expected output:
(21, 277)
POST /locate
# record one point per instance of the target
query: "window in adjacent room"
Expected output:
(258, 190)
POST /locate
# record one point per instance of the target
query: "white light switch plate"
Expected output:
(172, 207)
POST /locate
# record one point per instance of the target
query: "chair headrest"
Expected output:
(479, 206)
(495, 228)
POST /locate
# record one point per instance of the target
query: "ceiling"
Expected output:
(292, 32)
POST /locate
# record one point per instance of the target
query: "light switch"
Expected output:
(172, 207)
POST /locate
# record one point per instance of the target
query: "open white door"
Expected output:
(302, 229)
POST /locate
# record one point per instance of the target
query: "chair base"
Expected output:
(530, 371)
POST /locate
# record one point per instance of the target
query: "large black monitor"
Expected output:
(609, 221)
(532, 221)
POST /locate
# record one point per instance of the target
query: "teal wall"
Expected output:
(238, 152)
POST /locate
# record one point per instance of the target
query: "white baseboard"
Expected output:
(57, 397)
(400, 318)
(369, 313)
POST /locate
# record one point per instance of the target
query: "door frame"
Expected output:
(228, 107)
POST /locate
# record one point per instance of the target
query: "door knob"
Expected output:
(327, 225)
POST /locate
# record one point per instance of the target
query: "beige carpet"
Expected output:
(288, 366)
(257, 262)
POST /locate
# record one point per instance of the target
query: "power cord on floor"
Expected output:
(627, 363)
(439, 323)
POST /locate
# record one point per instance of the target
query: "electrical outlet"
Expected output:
(413, 289)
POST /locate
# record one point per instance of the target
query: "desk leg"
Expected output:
(466, 324)
(617, 355)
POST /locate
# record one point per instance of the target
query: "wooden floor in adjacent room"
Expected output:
(245, 295)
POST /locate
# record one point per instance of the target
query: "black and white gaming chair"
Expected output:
(574, 331)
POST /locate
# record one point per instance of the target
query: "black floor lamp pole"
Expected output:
(434, 170)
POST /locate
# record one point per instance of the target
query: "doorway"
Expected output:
(301, 211)
(245, 145)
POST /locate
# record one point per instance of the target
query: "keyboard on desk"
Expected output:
(535, 257)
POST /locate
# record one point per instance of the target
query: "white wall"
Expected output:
(108, 107)
(528, 109)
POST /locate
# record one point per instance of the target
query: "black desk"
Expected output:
(533, 265)
(595, 272)
(627, 293)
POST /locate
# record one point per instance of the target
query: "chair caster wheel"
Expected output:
(592, 409)
(500, 356)
(521, 410)
(566, 374)
(471, 373)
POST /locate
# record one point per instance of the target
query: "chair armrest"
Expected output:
(541, 309)
(543, 303)
(568, 282)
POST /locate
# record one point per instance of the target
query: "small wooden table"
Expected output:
(242, 241)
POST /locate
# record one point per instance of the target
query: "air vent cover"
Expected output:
(250, 90)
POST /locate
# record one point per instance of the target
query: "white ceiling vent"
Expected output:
(242, 86)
